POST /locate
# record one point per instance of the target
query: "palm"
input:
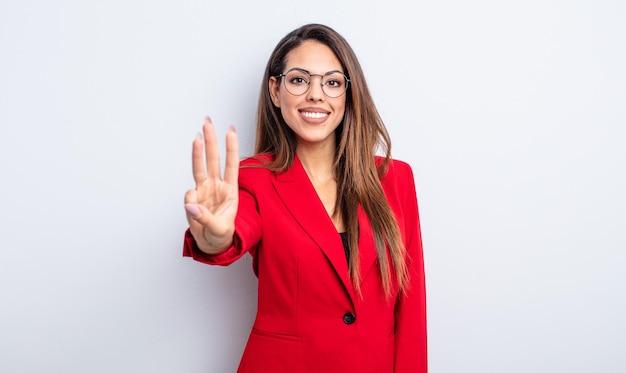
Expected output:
(214, 197)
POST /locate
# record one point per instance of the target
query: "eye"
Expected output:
(334, 83)
(297, 78)
(334, 80)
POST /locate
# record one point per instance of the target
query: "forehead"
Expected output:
(314, 57)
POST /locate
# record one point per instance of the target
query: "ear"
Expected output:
(274, 86)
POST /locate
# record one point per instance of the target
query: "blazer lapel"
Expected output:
(299, 196)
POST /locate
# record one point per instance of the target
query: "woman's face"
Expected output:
(312, 116)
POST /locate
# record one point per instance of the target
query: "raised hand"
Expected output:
(212, 206)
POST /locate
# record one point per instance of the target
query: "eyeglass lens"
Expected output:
(297, 82)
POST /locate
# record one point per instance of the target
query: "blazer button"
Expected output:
(349, 318)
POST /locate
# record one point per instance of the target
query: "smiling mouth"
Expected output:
(314, 115)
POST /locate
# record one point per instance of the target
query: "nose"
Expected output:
(315, 92)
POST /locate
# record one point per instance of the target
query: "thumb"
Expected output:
(199, 214)
(193, 210)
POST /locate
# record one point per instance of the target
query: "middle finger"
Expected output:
(211, 152)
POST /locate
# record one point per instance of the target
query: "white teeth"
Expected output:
(314, 115)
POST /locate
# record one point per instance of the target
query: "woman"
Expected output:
(333, 228)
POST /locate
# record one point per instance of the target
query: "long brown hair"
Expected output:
(361, 133)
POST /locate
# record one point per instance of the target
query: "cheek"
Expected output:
(287, 98)
(341, 109)
(287, 109)
(287, 102)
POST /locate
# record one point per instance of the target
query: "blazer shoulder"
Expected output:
(396, 169)
(255, 165)
(400, 166)
(256, 161)
(254, 173)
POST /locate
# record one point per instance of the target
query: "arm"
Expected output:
(212, 205)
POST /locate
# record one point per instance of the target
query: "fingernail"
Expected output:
(198, 136)
(208, 119)
(232, 128)
(192, 210)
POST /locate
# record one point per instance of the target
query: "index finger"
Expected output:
(197, 161)
(211, 152)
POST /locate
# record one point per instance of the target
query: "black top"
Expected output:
(344, 239)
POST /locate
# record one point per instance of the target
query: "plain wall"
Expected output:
(512, 115)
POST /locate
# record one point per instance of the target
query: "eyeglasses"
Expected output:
(297, 82)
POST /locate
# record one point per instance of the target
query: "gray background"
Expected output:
(511, 113)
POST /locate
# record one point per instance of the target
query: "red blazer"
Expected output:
(309, 317)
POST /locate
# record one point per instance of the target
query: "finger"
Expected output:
(193, 210)
(191, 196)
(211, 151)
(197, 161)
(231, 171)
(191, 207)
(196, 212)
(200, 216)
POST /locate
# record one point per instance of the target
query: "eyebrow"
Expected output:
(308, 72)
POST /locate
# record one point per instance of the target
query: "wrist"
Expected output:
(214, 247)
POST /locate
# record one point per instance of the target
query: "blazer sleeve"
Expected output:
(247, 229)
(411, 346)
